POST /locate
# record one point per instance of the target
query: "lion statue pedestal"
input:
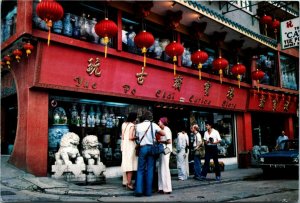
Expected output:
(95, 169)
(69, 164)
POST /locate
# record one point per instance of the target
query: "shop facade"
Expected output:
(69, 86)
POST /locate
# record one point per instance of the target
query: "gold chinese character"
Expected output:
(93, 68)
(230, 93)
(178, 82)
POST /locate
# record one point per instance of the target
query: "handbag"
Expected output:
(157, 148)
(200, 151)
(167, 150)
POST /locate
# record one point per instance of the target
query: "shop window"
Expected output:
(131, 26)
(79, 20)
(266, 62)
(8, 19)
(90, 117)
(222, 122)
(289, 76)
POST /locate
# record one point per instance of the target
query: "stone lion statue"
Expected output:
(68, 151)
(91, 152)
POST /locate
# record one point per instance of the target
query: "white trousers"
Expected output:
(164, 174)
(182, 165)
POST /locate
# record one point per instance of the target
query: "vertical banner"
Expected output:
(290, 33)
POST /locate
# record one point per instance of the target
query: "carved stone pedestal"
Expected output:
(95, 174)
(70, 172)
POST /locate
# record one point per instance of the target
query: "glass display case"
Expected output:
(8, 19)
(289, 72)
(223, 122)
(90, 117)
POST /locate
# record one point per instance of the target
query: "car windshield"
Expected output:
(291, 145)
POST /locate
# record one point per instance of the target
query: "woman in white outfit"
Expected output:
(164, 175)
(182, 144)
(129, 159)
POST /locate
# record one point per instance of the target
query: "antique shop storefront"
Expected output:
(74, 84)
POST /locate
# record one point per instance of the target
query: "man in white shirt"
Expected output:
(279, 143)
(211, 140)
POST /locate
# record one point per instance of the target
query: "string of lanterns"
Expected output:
(17, 53)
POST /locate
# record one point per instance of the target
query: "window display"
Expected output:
(90, 117)
(223, 123)
(289, 72)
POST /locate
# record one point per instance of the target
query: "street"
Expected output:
(254, 189)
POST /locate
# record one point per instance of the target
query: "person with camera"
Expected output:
(196, 147)
(211, 140)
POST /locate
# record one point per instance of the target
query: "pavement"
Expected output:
(15, 178)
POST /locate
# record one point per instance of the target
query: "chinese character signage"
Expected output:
(290, 33)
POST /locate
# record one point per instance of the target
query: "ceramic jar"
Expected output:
(68, 28)
(55, 133)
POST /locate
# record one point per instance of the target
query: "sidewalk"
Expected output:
(18, 179)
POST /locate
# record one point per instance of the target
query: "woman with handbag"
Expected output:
(164, 174)
(145, 133)
(129, 159)
(197, 144)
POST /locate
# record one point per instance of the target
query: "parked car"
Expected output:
(285, 159)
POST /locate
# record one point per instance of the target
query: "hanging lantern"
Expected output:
(7, 60)
(49, 11)
(220, 64)
(17, 54)
(266, 20)
(257, 75)
(276, 26)
(174, 49)
(199, 57)
(238, 69)
(144, 40)
(107, 29)
(28, 47)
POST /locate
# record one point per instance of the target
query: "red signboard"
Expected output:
(78, 70)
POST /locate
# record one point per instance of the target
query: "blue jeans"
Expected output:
(144, 175)
(197, 166)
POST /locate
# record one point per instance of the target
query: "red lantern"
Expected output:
(107, 29)
(238, 69)
(17, 54)
(144, 40)
(49, 11)
(275, 26)
(28, 47)
(7, 60)
(257, 75)
(266, 20)
(174, 49)
(199, 57)
(220, 64)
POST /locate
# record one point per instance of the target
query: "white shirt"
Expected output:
(197, 140)
(182, 141)
(168, 136)
(141, 129)
(213, 134)
(280, 139)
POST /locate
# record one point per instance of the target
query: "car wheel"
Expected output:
(267, 172)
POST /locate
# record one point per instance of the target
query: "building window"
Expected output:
(223, 122)
(244, 4)
(289, 76)
(83, 116)
(267, 63)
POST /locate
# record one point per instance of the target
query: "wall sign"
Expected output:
(290, 33)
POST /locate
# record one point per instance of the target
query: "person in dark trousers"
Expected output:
(211, 140)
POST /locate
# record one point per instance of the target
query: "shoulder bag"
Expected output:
(200, 151)
(157, 148)
(138, 145)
